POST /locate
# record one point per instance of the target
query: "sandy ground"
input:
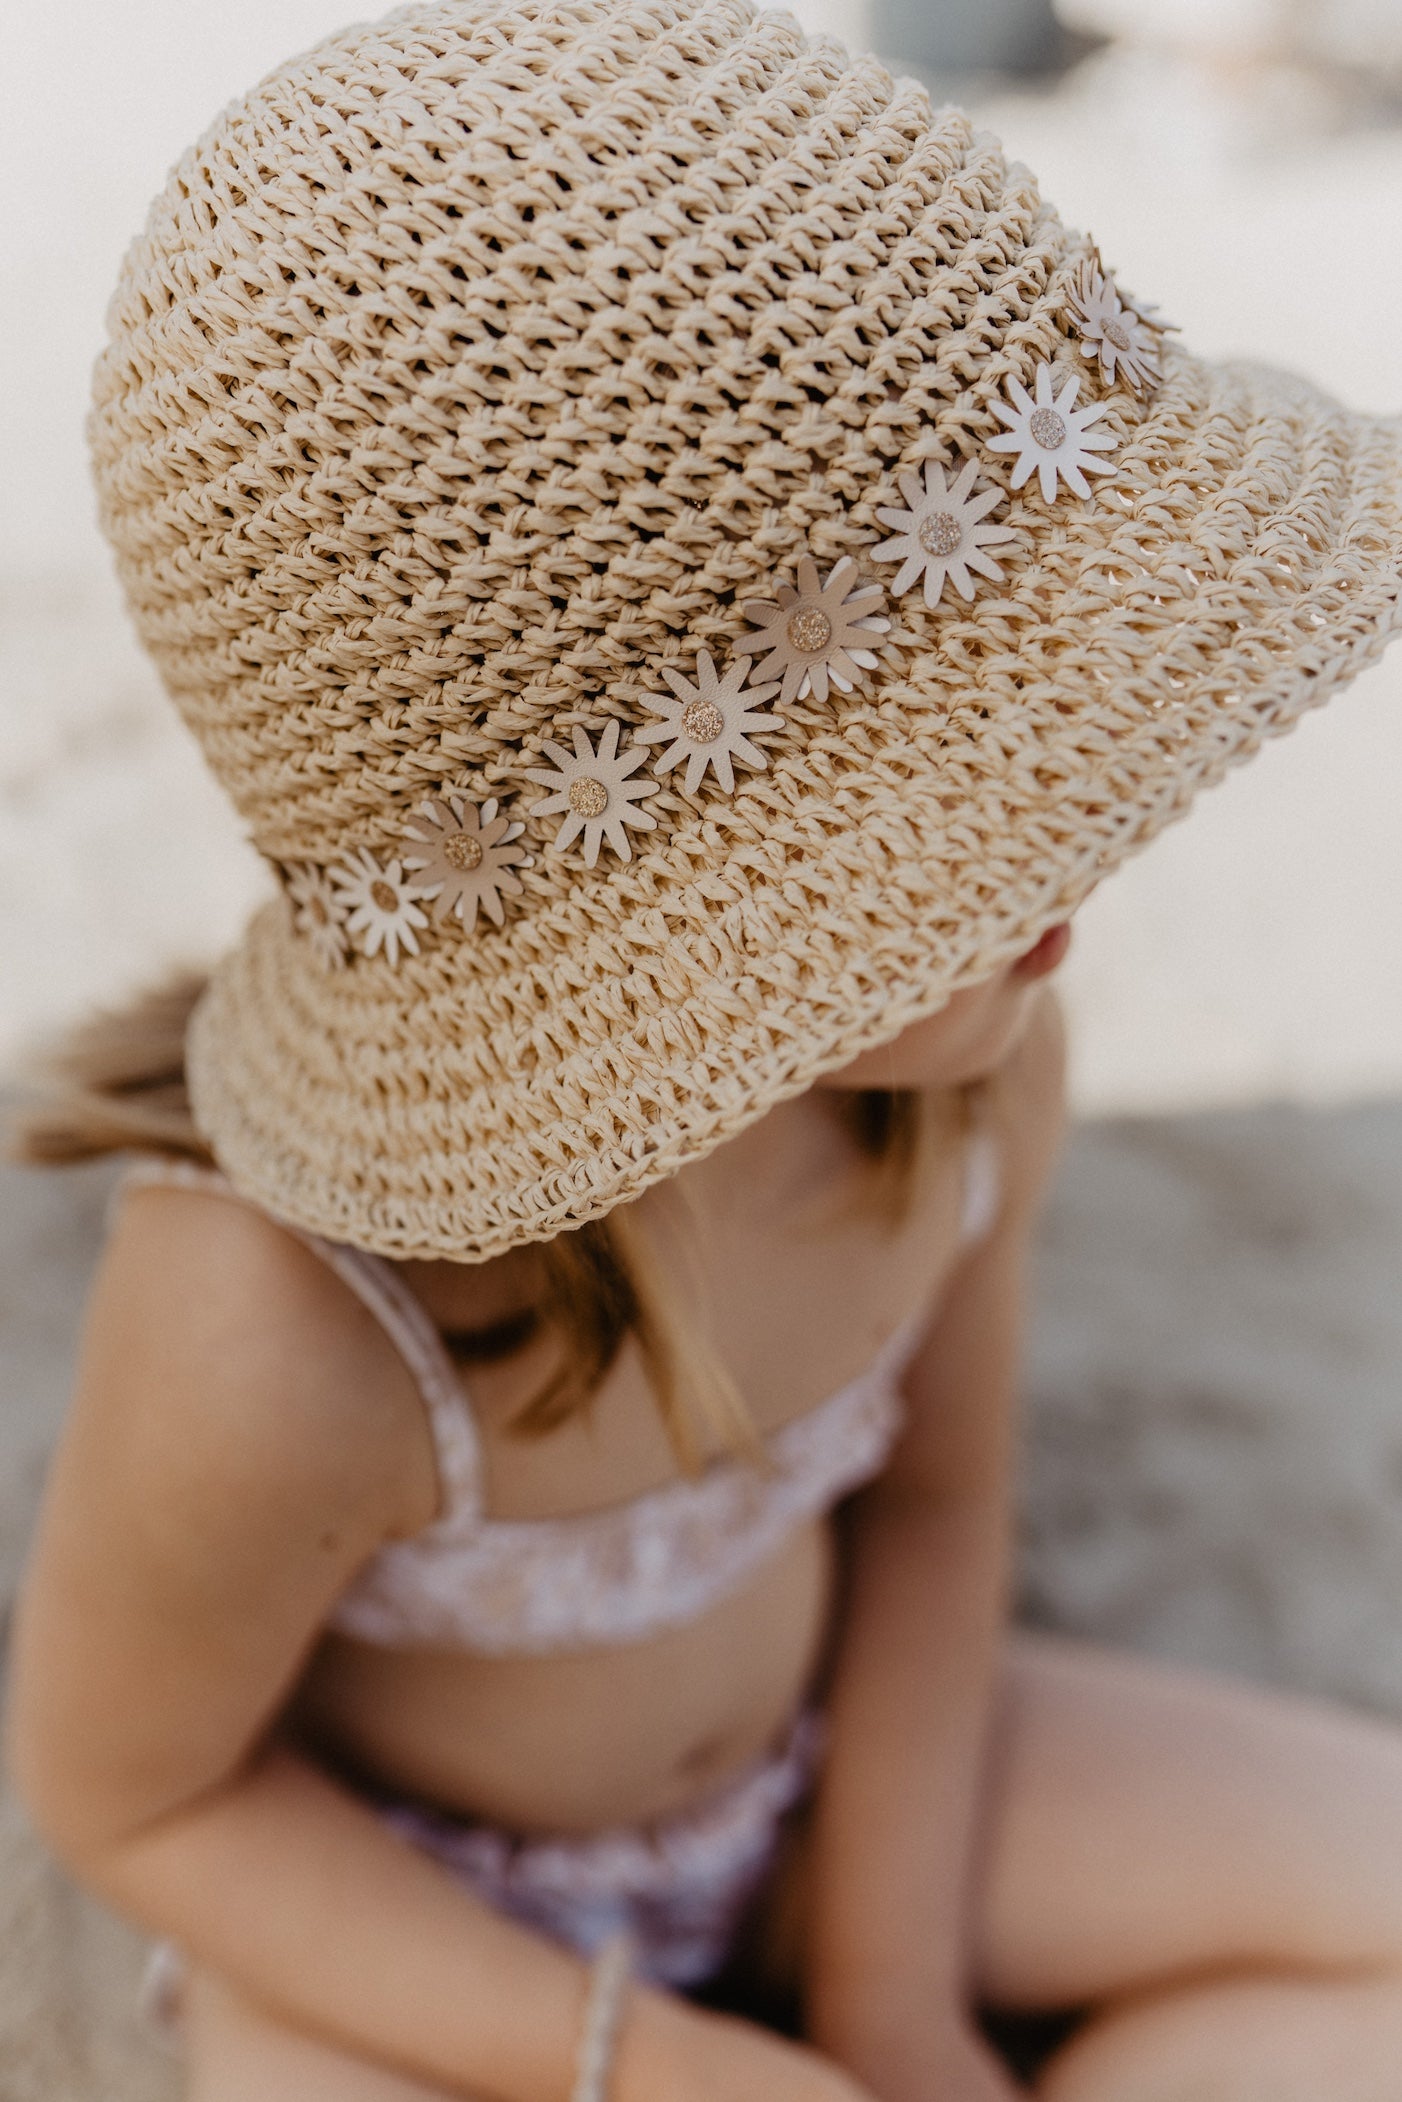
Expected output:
(1213, 1464)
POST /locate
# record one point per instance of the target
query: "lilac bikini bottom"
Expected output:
(679, 1890)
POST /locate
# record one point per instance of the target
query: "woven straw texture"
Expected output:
(488, 359)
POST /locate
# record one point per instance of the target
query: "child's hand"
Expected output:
(672, 2052)
(943, 2060)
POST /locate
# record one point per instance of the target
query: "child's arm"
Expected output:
(242, 1439)
(888, 1953)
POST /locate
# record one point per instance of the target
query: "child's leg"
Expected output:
(1215, 1870)
(1267, 2041)
(235, 2054)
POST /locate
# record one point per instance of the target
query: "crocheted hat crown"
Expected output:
(521, 397)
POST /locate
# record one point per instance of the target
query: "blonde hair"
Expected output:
(117, 1084)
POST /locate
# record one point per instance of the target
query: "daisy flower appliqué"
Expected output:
(379, 905)
(594, 791)
(941, 532)
(1051, 436)
(819, 633)
(709, 723)
(464, 857)
(318, 915)
(1113, 331)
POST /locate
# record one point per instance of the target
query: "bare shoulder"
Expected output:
(242, 1438)
(222, 1341)
(1027, 1104)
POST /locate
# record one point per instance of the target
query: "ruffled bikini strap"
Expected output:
(983, 1183)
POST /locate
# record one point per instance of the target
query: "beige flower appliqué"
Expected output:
(594, 791)
(942, 532)
(818, 633)
(709, 723)
(464, 857)
(1113, 331)
(1051, 436)
(318, 915)
(379, 905)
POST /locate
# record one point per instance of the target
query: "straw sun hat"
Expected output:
(681, 560)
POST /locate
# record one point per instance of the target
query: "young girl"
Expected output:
(690, 572)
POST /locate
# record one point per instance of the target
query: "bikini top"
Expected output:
(530, 1587)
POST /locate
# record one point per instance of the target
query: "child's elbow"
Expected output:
(55, 1787)
(35, 1769)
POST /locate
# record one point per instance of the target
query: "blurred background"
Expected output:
(1215, 1432)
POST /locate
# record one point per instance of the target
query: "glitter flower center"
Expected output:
(587, 797)
(462, 852)
(809, 630)
(385, 897)
(703, 722)
(940, 533)
(1048, 429)
(1116, 333)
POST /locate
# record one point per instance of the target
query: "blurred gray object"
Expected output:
(1353, 44)
(969, 36)
(1363, 37)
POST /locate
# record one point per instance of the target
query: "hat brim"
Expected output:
(904, 841)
